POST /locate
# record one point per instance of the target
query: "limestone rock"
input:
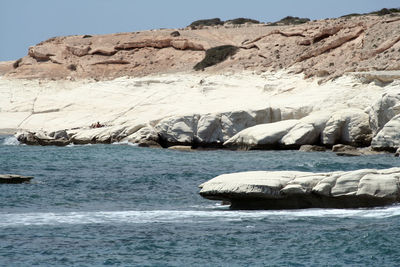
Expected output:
(397, 154)
(291, 189)
(149, 143)
(177, 129)
(389, 137)
(349, 126)
(312, 148)
(381, 76)
(181, 148)
(43, 139)
(62, 134)
(384, 109)
(346, 150)
(236, 121)
(146, 133)
(301, 134)
(263, 135)
(209, 129)
(27, 138)
(14, 179)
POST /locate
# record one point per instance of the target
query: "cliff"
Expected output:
(318, 83)
(325, 48)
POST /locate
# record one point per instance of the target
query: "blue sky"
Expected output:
(27, 22)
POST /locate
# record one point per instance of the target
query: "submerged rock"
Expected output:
(312, 148)
(298, 190)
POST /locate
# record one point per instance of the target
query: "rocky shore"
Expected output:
(345, 111)
(320, 83)
(299, 190)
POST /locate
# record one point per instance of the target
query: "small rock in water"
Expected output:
(311, 148)
(14, 179)
(181, 148)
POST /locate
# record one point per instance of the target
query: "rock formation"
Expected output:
(14, 179)
(325, 48)
(327, 82)
(298, 190)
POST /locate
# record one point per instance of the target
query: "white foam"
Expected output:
(187, 216)
(11, 141)
(124, 143)
(74, 145)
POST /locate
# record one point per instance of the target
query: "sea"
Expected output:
(122, 205)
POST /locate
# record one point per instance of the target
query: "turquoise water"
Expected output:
(126, 206)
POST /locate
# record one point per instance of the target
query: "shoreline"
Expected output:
(271, 110)
(8, 131)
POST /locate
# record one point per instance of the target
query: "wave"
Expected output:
(124, 143)
(75, 145)
(11, 141)
(186, 216)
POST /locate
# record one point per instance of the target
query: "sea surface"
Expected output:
(122, 205)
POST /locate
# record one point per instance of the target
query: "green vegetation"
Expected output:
(217, 21)
(72, 67)
(382, 12)
(386, 11)
(216, 55)
(175, 34)
(206, 22)
(289, 20)
(16, 63)
(242, 21)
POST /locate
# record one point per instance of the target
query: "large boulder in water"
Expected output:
(296, 190)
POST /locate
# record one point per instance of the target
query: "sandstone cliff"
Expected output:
(325, 48)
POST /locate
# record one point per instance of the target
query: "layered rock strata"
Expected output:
(326, 82)
(299, 190)
(323, 48)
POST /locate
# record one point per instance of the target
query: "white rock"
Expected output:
(291, 189)
(379, 185)
(234, 122)
(209, 129)
(261, 135)
(178, 129)
(384, 109)
(389, 137)
(145, 133)
(347, 183)
(301, 134)
(348, 126)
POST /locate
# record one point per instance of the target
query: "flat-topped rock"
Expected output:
(14, 179)
(298, 190)
(381, 76)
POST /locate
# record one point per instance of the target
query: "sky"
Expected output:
(24, 23)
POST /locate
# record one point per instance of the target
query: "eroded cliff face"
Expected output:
(325, 48)
(325, 82)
